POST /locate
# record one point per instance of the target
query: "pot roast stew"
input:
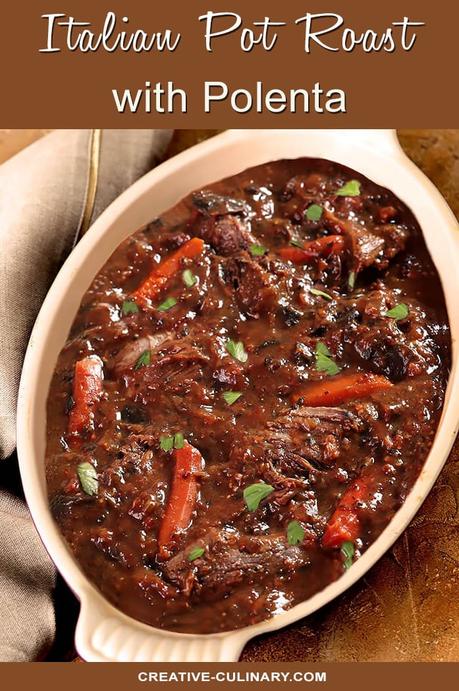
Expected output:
(249, 390)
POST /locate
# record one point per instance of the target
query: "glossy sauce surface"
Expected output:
(248, 392)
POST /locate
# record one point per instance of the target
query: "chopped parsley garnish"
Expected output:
(350, 189)
(324, 361)
(320, 293)
(295, 533)
(314, 212)
(143, 360)
(231, 397)
(253, 494)
(179, 441)
(129, 307)
(257, 250)
(166, 443)
(236, 349)
(348, 551)
(351, 280)
(87, 476)
(174, 441)
(195, 553)
(167, 304)
(297, 243)
(400, 311)
(189, 278)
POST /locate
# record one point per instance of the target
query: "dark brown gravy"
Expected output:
(327, 400)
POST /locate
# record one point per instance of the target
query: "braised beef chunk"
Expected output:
(225, 234)
(252, 285)
(306, 439)
(366, 247)
(222, 222)
(218, 205)
(373, 245)
(129, 355)
(228, 560)
(248, 393)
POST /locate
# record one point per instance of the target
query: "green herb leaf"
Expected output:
(167, 304)
(179, 440)
(295, 533)
(143, 360)
(236, 349)
(314, 212)
(166, 443)
(195, 553)
(231, 396)
(257, 250)
(348, 551)
(189, 278)
(400, 311)
(297, 243)
(253, 494)
(169, 442)
(320, 293)
(87, 476)
(350, 189)
(129, 307)
(351, 280)
(324, 361)
(321, 349)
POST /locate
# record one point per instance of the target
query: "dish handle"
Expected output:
(382, 140)
(378, 140)
(103, 634)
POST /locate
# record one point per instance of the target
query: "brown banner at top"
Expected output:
(229, 63)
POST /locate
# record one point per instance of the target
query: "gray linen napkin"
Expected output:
(49, 194)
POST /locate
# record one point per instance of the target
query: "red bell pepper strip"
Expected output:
(182, 498)
(334, 390)
(87, 389)
(162, 273)
(322, 247)
(344, 524)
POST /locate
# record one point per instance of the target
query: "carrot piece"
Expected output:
(182, 497)
(344, 524)
(332, 391)
(87, 389)
(161, 274)
(322, 247)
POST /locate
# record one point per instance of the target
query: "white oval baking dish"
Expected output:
(104, 633)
